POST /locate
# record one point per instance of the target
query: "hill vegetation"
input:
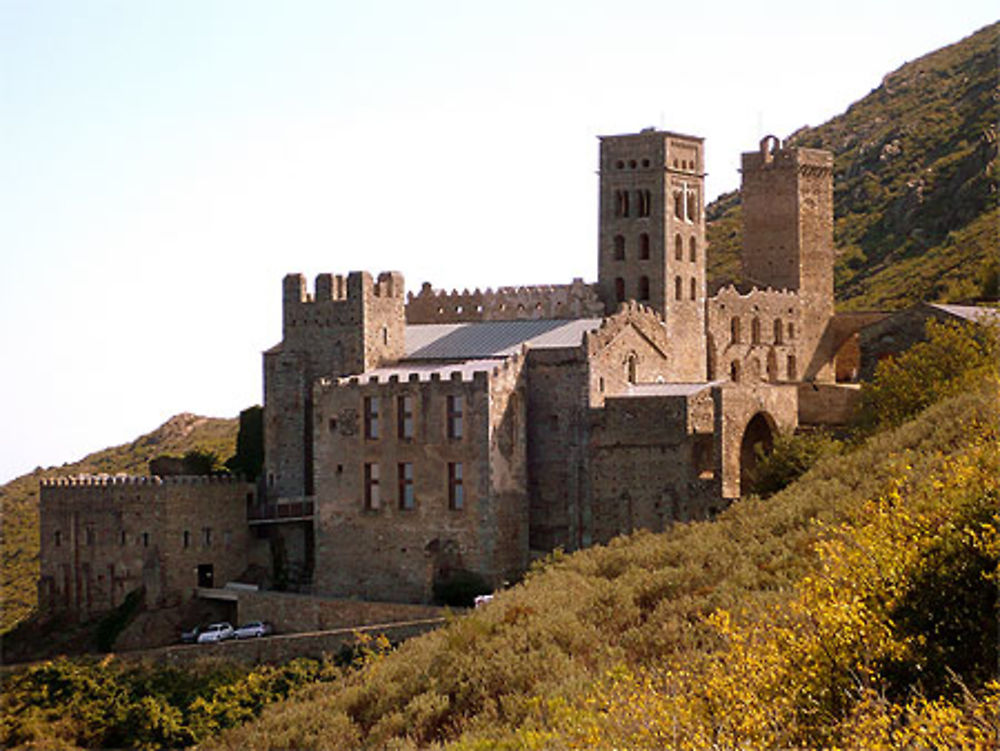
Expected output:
(915, 185)
(180, 435)
(855, 608)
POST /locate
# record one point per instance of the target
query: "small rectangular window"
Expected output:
(206, 536)
(371, 417)
(145, 539)
(371, 487)
(121, 537)
(406, 501)
(404, 415)
(57, 537)
(455, 408)
(187, 538)
(90, 535)
(456, 490)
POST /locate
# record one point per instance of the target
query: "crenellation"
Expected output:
(567, 301)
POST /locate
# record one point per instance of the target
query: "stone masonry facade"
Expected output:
(413, 438)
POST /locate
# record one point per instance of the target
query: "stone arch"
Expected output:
(757, 441)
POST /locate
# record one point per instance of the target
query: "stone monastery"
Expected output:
(410, 438)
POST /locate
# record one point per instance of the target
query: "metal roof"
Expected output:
(490, 339)
(968, 312)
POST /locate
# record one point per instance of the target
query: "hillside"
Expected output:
(916, 184)
(19, 497)
(867, 557)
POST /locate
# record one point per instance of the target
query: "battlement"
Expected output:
(113, 480)
(551, 301)
(335, 287)
(772, 155)
(338, 300)
(765, 297)
(466, 372)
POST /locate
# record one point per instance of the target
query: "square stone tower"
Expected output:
(348, 326)
(787, 196)
(651, 245)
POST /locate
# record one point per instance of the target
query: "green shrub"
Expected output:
(954, 358)
(791, 456)
(460, 588)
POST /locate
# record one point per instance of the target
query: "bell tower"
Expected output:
(651, 244)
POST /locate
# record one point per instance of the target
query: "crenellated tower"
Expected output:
(651, 244)
(347, 326)
(787, 197)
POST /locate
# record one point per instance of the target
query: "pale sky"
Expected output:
(164, 164)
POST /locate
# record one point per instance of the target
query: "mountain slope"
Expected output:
(19, 497)
(510, 674)
(916, 184)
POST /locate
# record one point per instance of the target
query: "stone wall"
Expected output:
(371, 544)
(651, 461)
(559, 301)
(102, 537)
(347, 326)
(828, 403)
(290, 613)
(556, 433)
(282, 648)
(754, 337)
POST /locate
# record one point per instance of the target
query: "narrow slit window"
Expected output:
(406, 499)
(456, 487)
(643, 247)
(455, 416)
(371, 418)
(371, 487)
(404, 416)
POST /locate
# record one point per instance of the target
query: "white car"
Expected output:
(253, 629)
(215, 632)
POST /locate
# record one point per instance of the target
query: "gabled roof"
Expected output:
(491, 339)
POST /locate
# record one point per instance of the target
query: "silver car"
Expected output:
(253, 629)
(215, 632)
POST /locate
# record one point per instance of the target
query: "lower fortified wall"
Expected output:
(103, 537)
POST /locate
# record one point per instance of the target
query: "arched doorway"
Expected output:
(758, 439)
